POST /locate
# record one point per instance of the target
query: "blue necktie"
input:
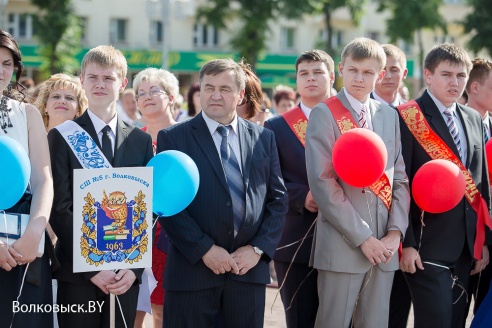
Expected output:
(453, 129)
(233, 177)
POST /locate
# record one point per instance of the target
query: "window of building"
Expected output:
(118, 31)
(205, 36)
(374, 36)
(287, 38)
(83, 22)
(156, 32)
(20, 26)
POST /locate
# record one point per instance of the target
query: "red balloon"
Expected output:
(359, 157)
(438, 186)
(488, 153)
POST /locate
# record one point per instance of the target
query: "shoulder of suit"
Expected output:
(275, 121)
(470, 111)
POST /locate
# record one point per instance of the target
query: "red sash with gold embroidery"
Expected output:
(345, 122)
(436, 148)
(297, 122)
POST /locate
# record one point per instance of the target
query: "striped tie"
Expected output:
(233, 177)
(486, 135)
(362, 118)
(453, 129)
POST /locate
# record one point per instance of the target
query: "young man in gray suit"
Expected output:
(358, 229)
(222, 242)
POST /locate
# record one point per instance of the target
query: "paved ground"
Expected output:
(274, 312)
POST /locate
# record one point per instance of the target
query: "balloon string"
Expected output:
(115, 270)
(5, 224)
(454, 278)
(358, 296)
(298, 288)
(366, 192)
(292, 244)
(290, 265)
(20, 292)
(421, 231)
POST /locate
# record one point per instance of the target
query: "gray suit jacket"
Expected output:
(344, 221)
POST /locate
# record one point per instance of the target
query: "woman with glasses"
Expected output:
(156, 91)
(23, 123)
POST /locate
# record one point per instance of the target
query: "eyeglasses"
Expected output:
(152, 93)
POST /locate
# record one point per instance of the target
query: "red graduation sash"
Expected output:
(297, 122)
(436, 148)
(345, 122)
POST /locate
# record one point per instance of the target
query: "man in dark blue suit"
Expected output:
(315, 76)
(222, 242)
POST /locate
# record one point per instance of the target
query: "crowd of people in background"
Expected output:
(270, 208)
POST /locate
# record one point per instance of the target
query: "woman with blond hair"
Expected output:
(156, 92)
(61, 98)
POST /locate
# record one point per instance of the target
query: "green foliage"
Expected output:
(410, 16)
(479, 24)
(58, 31)
(250, 39)
(295, 9)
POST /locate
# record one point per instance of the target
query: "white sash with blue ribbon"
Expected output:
(83, 146)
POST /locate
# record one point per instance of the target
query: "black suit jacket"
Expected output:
(446, 234)
(133, 148)
(208, 220)
(298, 220)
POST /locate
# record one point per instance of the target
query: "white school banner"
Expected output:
(112, 219)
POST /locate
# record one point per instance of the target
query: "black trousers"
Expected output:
(433, 293)
(299, 293)
(91, 306)
(400, 302)
(37, 292)
(479, 286)
(239, 305)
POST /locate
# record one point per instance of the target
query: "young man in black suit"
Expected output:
(222, 242)
(315, 75)
(439, 260)
(103, 77)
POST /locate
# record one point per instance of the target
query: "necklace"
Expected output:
(4, 112)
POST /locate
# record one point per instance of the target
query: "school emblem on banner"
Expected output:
(112, 219)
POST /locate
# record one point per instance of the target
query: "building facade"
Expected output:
(153, 32)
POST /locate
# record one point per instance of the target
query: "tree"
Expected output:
(58, 31)
(409, 18)
(479, 24)
(251, 37)
(255, 15)
(294, 8)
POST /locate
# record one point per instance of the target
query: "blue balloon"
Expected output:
(16, 172)
(176, 181)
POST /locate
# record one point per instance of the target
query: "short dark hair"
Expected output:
(480, 71)
(218, 66)
(447, 52)
(314, 56)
